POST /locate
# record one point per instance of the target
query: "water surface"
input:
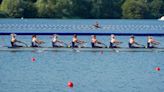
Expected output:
(89, 71)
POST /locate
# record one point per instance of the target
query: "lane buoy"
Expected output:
(157, 69)
(70, 84)
(33, 59)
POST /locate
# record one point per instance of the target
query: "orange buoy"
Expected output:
(70, 84)
(157, 69)
(33, 59)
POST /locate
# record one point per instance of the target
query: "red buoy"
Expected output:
(70, 84)
(33, 59)
(157, 69)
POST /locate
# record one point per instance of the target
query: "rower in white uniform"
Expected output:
(96, 43)
(56, 42)
(76, 42)
(152, 42)
(134, 44)
(35, 42)
(14, 41)
(114, 42)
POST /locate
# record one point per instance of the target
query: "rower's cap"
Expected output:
(55, 35)
(93, 35)
(13, 34)
(112, 35)
(33, 35)
(75, 35)
(149, 37)
(132, 36)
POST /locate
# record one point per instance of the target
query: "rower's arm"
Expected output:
(18, 41)
(99, 42)
(39, 41)
(117, 41)
(156, 42)
(136, 43)
(60, 41)
(80, 41)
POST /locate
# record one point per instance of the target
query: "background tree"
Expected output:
(45, 8)
(28, 9)
(137, 9)
(157, 8)
(18, 8)
(106, 8)
(81, 8)
(12, 7)
(63, 8)
(86, 9)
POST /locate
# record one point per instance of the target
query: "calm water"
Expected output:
(49, 25)
(89, 71)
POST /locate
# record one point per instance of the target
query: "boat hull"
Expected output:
(84, 49)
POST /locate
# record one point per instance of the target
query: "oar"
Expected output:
(40, 42)
(22, 43)
(156, 43)
(97, 26)
(82, 43)
(79, 43)
(103, 44)
(118, 43)
(65, 44)
(140, 45)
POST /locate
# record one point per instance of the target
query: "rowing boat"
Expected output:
(89, 49)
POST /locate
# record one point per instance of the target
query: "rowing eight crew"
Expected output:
(114, 43)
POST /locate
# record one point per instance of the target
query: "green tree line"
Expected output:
(85, 9)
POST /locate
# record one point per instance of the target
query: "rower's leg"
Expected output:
(92, 45)
(52, 44)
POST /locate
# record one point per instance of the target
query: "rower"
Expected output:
(35, 42)
(94, 42)
(97, 25)
(113, 42)
(134, 44)
(152, 42)
(56, 42)
(14, 40)
(75, 41)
